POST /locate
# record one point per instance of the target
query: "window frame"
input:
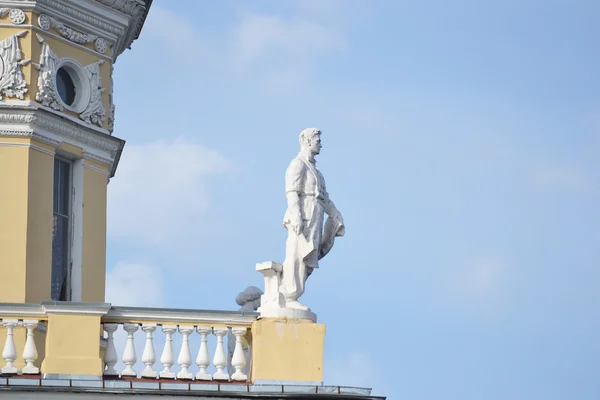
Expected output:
(69, 216)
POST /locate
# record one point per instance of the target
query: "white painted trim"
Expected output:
(180, 316)
(77, 229)
(28, 145)
(22, 309)
(60, 38)
(67, 307)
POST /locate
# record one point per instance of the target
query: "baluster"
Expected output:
(129, 356)
(167, 359)
(203, 359)
(9, 354)
(239, 359)
(220, 359)
(149, 357)
(185, 355)
(30, 353)
(110, 354)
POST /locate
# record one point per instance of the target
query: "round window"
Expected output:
(72, 85)
(65, 86)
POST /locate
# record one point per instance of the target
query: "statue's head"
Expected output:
(249, 299)
(310, 140)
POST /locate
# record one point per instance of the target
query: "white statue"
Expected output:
(309, 237)
(307, 201)
(249, 300)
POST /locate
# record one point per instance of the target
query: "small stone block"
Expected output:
(86, 383)
(221, 377)
(355, 391)
(299, 389)
(266, 388)
(56, 382)
(10, 370)
(175, 386)
(327, 389)
(167, 375)
(233, 388)
(203, 377)
(117, 384)
(213, 387)
(23, 382)
(145, 385)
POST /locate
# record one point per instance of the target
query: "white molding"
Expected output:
(67, 307)
(181, 316)
(119, 21)
(37, 29)
(77, 229)
(28, 145)
(22, 309)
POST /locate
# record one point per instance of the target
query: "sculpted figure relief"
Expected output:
(310, 238)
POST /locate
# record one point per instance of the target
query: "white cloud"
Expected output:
(559, 177)
(130, 284)
(160, 190)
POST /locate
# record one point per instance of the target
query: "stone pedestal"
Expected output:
(287, 350)
(272, 303)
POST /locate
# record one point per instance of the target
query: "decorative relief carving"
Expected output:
(17, 16)
(66, 31)
(46, 80)
(100, 45)
(95, 112)
(44, 22)
(111, 118)
(12, 82)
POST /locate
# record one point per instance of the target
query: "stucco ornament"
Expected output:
(310, 237)
(93, 109)
(95, 113)
(16, 16)
(249, 300)
(46, 87)
(44, 22)
(12, 82)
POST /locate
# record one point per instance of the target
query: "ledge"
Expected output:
(194, 317)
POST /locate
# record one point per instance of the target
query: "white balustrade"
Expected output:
(149, 357)
(110, 354)
(129, 357)
(220, 359)
(30, 353)
(239, 359)
(203, 359)
(168, 360)
(185, 355)
(9, 354)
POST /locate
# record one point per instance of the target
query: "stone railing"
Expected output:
(229, 353)
(64, 339)
(18, 323)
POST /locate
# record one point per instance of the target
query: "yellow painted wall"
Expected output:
(287, 350)
(39, 226)
(14, 170)
(26, 232)
(94, 234)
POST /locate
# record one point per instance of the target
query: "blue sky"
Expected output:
(460, 142)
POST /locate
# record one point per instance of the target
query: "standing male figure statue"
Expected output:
(309, 238)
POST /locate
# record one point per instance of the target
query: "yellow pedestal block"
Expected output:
(287, 350)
